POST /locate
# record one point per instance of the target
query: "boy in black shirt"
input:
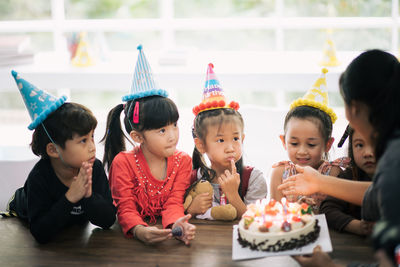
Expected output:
(68, 185)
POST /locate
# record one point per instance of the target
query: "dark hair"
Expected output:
(356, 171)
(319, 117)
(62, 124)
(373, 78)
(201, 123)
(154, 113)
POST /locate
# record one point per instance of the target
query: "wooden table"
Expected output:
(88, 245)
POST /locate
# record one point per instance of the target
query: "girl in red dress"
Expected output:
(150, 180)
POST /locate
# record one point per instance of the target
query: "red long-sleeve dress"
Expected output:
(138, 195)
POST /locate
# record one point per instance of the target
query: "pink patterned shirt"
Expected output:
(325, 169)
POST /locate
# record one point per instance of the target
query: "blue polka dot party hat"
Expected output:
(143, 83)
(39, 103)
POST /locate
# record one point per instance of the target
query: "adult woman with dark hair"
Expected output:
(370, 87)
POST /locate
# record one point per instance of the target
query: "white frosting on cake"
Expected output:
(262, 226)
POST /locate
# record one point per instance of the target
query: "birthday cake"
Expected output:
(275, 226)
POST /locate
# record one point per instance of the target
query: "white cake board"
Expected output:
(324, 240)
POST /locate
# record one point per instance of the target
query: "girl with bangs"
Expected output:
(342, 215)
(149, 181)
(218, 132)
(308, 139)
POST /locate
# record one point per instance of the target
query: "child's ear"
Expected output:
(329, 144)
(243, 136)
(282, 137)
(51, 150)
(199, 145)
(136, 137)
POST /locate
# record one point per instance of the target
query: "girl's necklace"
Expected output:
(153, 189)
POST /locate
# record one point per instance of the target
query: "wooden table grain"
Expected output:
(87, 245)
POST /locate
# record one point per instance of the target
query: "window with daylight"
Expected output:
(266, 52)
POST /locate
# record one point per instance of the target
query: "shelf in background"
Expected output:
(288, 71)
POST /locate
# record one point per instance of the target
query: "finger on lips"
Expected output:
(233, 166)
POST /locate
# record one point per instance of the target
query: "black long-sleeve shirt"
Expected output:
(49, 211)
(382, 199)
(340, 213)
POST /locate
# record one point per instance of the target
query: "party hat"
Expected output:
(317, 97)
(143, 83)
(213, 94)
(83, 57)
(38, 102)
(329, 58)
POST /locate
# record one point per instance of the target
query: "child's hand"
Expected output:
(151, 234)
(81, 184)
(369, 226)
(359, 227)
(189, 230)
(318, 258)
(88, 170)
(229, 181)
(366, 227)
(200, 204)
(306, 182)
(383, 258)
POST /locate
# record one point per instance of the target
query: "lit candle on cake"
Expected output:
(263, 216)
(263, 207)
(286, 227)
(258, 207)
(283, 201)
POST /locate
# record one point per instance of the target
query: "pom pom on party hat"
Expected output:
(317, 97)
(39, 103)
(143, 84)
(213, 94)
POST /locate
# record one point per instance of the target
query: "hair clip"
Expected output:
(345, 135)
(136, 113)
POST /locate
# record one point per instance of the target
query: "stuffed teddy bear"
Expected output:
(223, 213)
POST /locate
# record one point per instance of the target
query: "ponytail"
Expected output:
(114, 137)
(198, 163)
(206, 173)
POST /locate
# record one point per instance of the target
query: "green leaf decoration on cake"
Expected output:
(308, 211)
